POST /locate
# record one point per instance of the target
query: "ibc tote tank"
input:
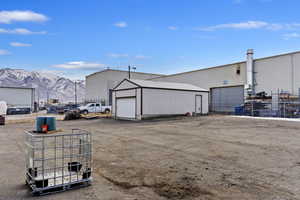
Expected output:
(50, 121)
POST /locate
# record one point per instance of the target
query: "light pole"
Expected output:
(48, 95)
(75, 92)
(129, 71)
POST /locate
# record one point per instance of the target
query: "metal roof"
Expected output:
(163, 85)
(116, 70)
(225, 65)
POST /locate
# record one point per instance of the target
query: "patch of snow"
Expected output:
(267, 118)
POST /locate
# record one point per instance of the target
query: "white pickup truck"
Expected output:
(94, 108)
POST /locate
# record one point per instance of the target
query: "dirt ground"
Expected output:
(212, 157)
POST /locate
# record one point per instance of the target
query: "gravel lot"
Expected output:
(212, 157)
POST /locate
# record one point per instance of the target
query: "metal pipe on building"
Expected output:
(250, 72)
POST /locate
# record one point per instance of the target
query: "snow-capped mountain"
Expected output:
(47, 85)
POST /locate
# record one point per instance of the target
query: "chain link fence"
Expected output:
(281, 105)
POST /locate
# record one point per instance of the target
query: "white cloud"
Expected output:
(291, 35)
(21, 31)
(4, 52)
(116, 55)
(173, 28)
(292, 26)
(7, 17)
(252, 25)
(141, 57)
(19, 44)
(241, 25)
(121, 24)
(52, 72)
(275, 27)
(79, 65)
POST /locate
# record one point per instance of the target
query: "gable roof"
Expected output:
(116, 70)
(163, 85)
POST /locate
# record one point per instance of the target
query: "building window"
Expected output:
(238, 70)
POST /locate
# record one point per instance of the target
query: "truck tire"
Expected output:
(107, 111)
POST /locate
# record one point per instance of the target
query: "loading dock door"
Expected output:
(126, 108)
(226, 98)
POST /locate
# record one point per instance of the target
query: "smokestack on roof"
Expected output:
(250, 71)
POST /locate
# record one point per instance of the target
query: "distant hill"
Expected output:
(56, 87)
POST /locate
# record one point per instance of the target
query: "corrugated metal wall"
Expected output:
(99, 84)
(17, 96)
(172, 102)
(226, 98)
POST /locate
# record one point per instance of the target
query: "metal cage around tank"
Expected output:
(58, 162)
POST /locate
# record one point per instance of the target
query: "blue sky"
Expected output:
(76, 38)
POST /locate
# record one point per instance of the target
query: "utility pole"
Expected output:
(129, 71)
(75, 92)
(47, 95)
(38, 101)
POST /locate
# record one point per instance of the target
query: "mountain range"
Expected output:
(47, 85)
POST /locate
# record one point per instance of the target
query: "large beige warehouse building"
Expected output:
(227, 83)
(99, 85)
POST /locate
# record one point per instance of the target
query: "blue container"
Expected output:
(40, 121)
(50, 121)
(239, 110)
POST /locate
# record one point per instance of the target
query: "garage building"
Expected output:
(140, 99)
(18, 96)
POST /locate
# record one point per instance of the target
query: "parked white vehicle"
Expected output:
(94, 108)
(3, 108)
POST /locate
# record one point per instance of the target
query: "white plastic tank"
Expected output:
(3, 108)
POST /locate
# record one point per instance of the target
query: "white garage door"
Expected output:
(126, 108)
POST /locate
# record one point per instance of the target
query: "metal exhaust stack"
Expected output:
(250, 83)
